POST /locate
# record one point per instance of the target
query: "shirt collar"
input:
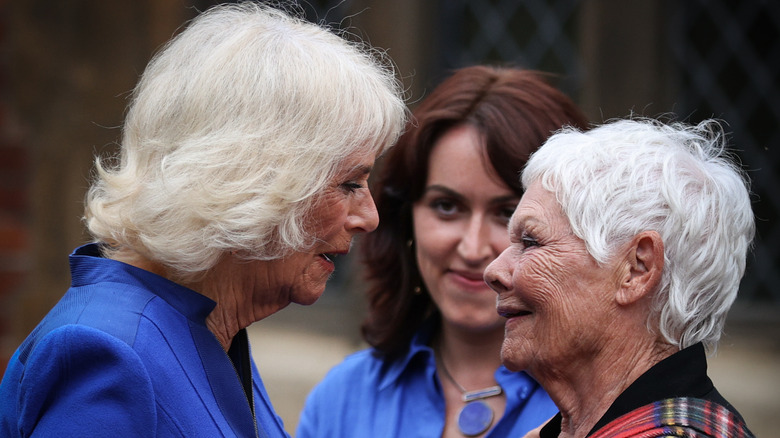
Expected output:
(517, 385)
(88, 266)
(681, 374)
(418, 347)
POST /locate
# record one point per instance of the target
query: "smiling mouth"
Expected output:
(508, 313)
(471, 276)
(329, 256)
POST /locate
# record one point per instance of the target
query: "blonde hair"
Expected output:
(233, 129)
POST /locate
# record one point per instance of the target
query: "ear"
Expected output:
(645, 263)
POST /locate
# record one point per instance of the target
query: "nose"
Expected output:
(474, 247)
(498, 275)
(364, 217)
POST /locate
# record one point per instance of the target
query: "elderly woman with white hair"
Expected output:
(627, 251)
(243, 169)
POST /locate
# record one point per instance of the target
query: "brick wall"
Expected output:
(14, 232)
(14, 209)
(65, 72)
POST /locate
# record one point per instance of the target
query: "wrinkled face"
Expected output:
(459, 227)
(345, 209)
(555, 296)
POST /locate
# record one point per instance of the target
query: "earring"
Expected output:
(409, 243)
(417, 290)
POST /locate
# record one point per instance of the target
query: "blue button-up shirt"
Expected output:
(366, 396)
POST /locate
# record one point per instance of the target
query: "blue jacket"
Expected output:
(127, 353)
(365, 396)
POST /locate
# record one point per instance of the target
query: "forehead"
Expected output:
(358, 162)
(459, 157)
(537, 206)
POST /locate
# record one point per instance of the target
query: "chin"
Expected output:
(486, 324)
(512, 359)
(308, 298)
(307, 302)
(511, 365)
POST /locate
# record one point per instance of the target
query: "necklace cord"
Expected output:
(468, 396)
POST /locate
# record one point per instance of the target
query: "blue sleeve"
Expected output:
(82, 382)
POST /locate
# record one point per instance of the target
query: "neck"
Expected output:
(133, 258)
(471, 358)
(584, 390)
(241, 299)
(466, 362)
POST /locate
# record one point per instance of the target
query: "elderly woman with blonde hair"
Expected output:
(627, 251)
(243, 170)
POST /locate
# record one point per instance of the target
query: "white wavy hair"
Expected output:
(629, 176)
(233, 130)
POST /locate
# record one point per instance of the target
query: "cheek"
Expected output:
(432, 237)
(328, 214)
(564, 293)
(499, 238)
(542, 279)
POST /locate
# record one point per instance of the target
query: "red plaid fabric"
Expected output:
(677, 417)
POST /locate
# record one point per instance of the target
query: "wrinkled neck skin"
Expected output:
(241, 299)
(584, 389)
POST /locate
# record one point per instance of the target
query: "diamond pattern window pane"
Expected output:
(728, 54)
(537, 34)
(728, 61)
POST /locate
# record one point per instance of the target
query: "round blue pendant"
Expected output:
(475, 418)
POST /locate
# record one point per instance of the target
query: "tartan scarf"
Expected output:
(677, 417)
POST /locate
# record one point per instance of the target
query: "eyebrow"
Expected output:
(362, 169)
(523, 223)
(511, 229)
(449, 192)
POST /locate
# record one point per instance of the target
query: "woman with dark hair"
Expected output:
(444, 196)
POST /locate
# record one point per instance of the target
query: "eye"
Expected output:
(444, 207)
(351, 186)
(528, 242)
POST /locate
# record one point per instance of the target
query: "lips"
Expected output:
(470, 281)
(469, 275)
(331, 256)
(511, 311)
(327, 257)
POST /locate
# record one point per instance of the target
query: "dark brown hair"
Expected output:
(515, 111)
